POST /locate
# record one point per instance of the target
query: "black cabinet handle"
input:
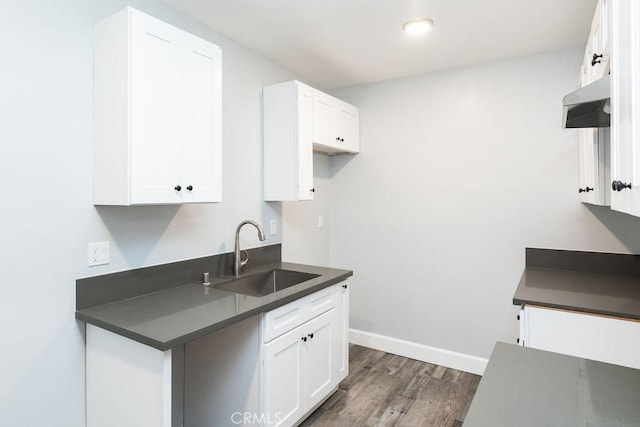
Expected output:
(190, 187)
(344, 286)
(585, 190)
(304, 339)
(518, 340)
(313, 190)
(518, 317)
(311, 336)
(619, 185)
(177, 188)
(597, 59)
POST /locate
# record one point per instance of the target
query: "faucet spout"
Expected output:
(238, 263)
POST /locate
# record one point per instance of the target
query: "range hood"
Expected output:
(589, 106)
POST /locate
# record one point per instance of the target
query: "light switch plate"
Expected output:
(320, 221)
(273, 227)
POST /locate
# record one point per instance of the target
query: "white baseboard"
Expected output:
(424, 353)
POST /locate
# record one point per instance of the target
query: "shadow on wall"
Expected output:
(136, 230)
(625, 227)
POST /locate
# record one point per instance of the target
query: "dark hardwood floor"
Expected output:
(383, 389)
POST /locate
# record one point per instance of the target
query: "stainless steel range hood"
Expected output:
(589, 106)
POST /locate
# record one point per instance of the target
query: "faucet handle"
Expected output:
(246, 259)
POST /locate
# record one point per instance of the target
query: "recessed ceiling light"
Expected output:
(417, 26)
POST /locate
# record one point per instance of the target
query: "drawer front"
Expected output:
(284, 319)
(320, 302)
(602, 338)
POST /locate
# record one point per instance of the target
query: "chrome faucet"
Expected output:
(238, 263)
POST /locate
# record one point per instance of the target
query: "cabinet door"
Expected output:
(284, 378)
(304, 145)
(320, 348)
(201, 138)
(325, 113)
(155, 104)
(625, 107)
(594, 166)
(349, 127)
(342, 333)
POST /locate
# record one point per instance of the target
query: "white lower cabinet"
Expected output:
(302, 365)
(298, 370)
(603, 338)
(272, 369)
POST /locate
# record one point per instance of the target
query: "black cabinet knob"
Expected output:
(597, 59)
(304, 339)
(585, 190)
(518, 317)
(619, 185)
(190, 187)
(344, 286)
(311, 336)
(177, 188)
(518, 340)
(313, 190)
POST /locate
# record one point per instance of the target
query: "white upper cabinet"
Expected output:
(596, 59)
(594, 166)
(595, 184)
(336, 124)
(625, 107)
(288, 149)
(297, 120)
(157, 100)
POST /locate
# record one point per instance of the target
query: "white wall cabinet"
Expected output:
(157, 112)
(625, 107)
(602, 338)
(594, 166)
(597, 52)
(595, 182)
(288, 148)
(336, 124)
(297, 120)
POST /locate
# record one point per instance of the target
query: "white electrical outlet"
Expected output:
(273, 227)
(98, 253)
(320, 221)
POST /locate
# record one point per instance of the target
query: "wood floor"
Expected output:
(383, 389)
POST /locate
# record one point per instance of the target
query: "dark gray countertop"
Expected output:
(591, 282)
(171, 317)
(605, 294)
(528, 387)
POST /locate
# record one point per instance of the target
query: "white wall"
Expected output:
(47, 214)
(302, 240)
(458, 172)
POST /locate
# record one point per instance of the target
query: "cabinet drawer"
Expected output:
(283, 319)
(602, 338)
(289, 316)
(320, 302)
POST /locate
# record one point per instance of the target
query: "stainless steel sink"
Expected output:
(261, 284)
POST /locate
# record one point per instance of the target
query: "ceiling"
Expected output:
(337, 43)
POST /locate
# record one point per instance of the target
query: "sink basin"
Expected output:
(261, 284)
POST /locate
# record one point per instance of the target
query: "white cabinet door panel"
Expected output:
(284, 378)
(320, 350)
(155, 122)
(201, 112)
(601, 338)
